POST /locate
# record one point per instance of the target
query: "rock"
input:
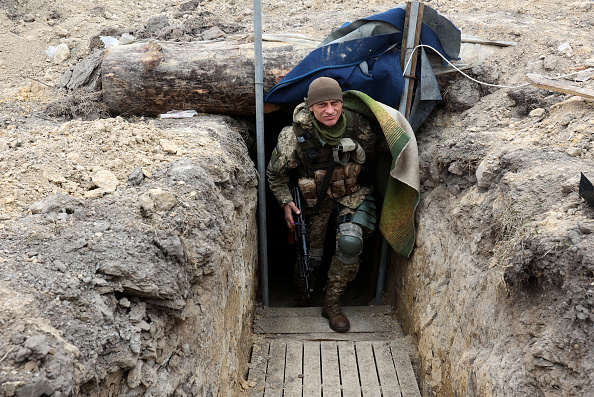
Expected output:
(486, 173)
(567, 119)
(581, 312)
(38, 345)
(168, 146)
(62, 54)
(157, 23)
(135, 342)
(463, 94)
(537, 113)
(574, 151)
(54, 177)
(124, 302)
(36, 389)
(455, 168)
(64, 128)
(29, 18)
(147, 205)
(70, 186)
(138, 312)
(586, 227)
(550, 62)
(17, 338)
(149, 376)
(9, 388)
(189, 5)
(157, 200)
(134, 375)
(172, 245)
(570, 185)
(94, 194)
(61, 31)
(105, 180)
(213, 33)
(136, 177)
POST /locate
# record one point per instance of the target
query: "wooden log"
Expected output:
(556, 85)
(150, 78)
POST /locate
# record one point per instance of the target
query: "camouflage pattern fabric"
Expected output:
(339, 275)
(288, 156)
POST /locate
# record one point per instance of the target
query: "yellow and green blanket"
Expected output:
(402, 188)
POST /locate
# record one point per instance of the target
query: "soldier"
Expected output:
(332, 150)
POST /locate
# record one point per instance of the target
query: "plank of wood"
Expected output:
(479, 40)
(370, 386)
(257, 368)
(270, 311)
(330, 370)
(555, 85)
(276, 370)
(411, 37)
(312, 367)
(349, 375)
(404, 371)
(294, 370)
(297, 325)
(386, 371)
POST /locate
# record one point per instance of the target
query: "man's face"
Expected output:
(327, 112)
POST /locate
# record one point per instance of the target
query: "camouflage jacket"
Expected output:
(288, 155)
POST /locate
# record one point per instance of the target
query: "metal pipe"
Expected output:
(381, 273)
(259, 90)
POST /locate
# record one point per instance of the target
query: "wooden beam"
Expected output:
(555, 85)
(410, 39)
(480, 40)
(150, 78)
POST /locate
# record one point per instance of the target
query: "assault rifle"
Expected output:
(302, 237)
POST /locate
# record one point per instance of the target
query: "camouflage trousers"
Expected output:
(339, 274)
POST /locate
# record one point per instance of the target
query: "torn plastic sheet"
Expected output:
(109, 41)
(179, 114)
(51, 50)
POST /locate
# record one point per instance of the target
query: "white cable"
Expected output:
(454, 66)
(464, 74)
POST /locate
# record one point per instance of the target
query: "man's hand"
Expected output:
(289, 209)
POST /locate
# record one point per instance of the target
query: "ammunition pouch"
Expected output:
(364, 216)
(344, 182)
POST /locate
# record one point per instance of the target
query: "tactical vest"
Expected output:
(316, 155)
(316, 159)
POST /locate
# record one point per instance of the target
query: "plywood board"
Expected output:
(312, 370)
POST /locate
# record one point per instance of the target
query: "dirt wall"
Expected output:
(499, 290)
(136, 274)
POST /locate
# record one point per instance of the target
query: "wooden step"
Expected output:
(297, 354)
(373, 322)
(330, 368)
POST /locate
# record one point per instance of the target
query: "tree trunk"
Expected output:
(150, 78)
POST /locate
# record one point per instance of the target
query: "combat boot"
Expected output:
(337, 320)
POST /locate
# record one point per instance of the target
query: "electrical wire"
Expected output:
(473, 79)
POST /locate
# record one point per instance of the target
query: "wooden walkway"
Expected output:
(297, 354)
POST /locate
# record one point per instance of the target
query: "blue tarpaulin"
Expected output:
(365, 56)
